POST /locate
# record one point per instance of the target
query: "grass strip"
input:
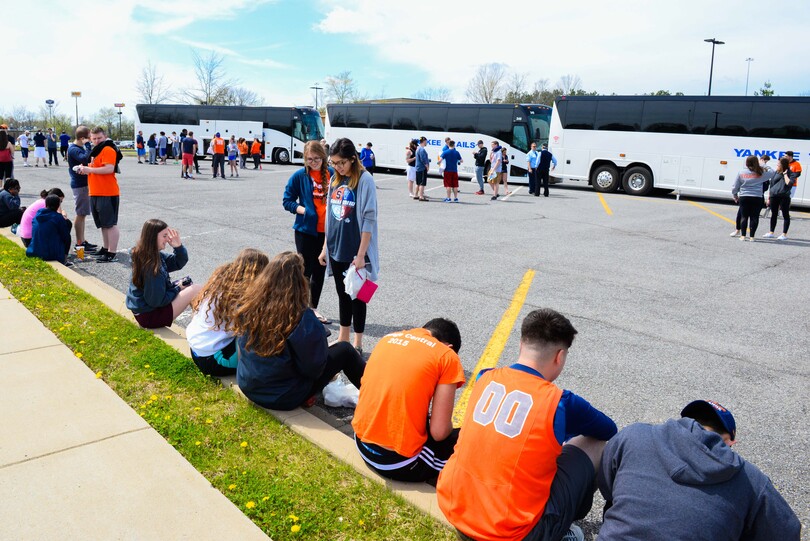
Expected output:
(289, 487)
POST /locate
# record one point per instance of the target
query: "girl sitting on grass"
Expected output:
(284, 359)
(154, 299)
(209, 335)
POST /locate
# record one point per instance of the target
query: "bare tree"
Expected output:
(435, 93)
(213, 83)
(570, 84)
(340, 88)
(541, 86)
(151, 86)
(515, 89)
(486, 86)
(23, 116)
(239, 95)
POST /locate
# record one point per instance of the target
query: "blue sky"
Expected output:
(279, 48)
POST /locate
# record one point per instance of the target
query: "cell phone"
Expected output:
(186, 281)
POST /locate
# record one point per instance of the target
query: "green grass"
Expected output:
(290, 488)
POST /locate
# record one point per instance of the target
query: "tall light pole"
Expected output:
(316, 88)
(119, 105)
(747, 73)
(76, 94)
(50, 103)
(714, 42)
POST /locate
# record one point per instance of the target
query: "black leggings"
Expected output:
(256, 160)
(750, 207)
(310, 247)
(780, 202)
(341, 357)
(352, 312)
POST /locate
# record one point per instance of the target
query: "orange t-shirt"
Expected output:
(219, 145)
(319, 198)
(103, 185)
(243, 148)
(496, 484)
(796, 167)
(397, 387)
(256, 148)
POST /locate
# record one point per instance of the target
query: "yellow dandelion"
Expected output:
(293, 518)
(197, 408)
(143, 413)
(92, 332)
(231, 486)
(143, 406)
(153, 397)
(79, 355)
(82, 342)
(168, 417)
(265, 498)
(66, 310)
(361, 522)
(295, 528)
(243, 444)
(250, 505)
(147, 366)
(197, 442)
(208, 421)
(98, 374)
(115, 338)
(151, 374)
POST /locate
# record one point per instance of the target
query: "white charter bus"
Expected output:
(688, 144)
(391, 126)
(282, 130)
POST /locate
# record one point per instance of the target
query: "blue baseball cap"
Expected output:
(217, 135)
(701, 407)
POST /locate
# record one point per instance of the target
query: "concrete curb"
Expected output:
(300, 421)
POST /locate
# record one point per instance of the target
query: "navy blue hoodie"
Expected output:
(678, 481)
(50, 236)
(284, 381)
(157, 290)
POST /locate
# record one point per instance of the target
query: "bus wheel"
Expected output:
(282, 156)
(637, 181)
(605, 178)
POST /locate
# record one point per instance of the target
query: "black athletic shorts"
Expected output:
(421, 178)
(104, 209)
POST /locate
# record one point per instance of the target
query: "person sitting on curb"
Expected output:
(10, 210)
(681, 480)
(50, 238)
(411, 376)
(25, 231)
(525, 463)
(209, 335)
(152, 297)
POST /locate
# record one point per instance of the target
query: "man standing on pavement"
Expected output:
(367, 159)
(681, 480)
(480, 156)
(104, 193)
(547, 161)
(163, 143)
(218, 147)
(39, 148)
(53, 159)
(189, 145)
(140, 146)
(24, 141)
(422, 168)
(79, 154)
(64, 140)
(533, 160)
(795, 171)
(451, 158)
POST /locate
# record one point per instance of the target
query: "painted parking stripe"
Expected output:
(497, 342)
(713, 213)
(604, 204)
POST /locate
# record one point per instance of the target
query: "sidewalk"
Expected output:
(76, 462)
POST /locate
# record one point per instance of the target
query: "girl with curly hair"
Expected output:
(284, 359)
(209, 335)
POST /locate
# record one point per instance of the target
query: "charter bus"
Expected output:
(282, 130)
(688, 144)
(390, 127)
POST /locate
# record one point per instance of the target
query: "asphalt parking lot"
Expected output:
(668, 307)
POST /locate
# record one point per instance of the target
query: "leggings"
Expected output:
(341, 357)
(780, 202)
(352, 311)
(256, 159)
(310, 246)
(750, 206)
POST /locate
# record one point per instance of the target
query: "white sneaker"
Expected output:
(743, 238)
(735, 233)
(574, 534)
(767, 236)
(781, 237)
(750, 239)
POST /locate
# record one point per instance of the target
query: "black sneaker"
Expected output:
(109, 257)
(68, 264)
(90, 246)
(101, 252)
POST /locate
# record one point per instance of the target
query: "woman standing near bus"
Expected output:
(747, 192)
(351, 233)
(779, 198)
(410, 162)
(505, 170)
(305, 196)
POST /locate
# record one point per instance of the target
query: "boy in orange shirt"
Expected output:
(526, 459)
(398, 434)
(104, 193)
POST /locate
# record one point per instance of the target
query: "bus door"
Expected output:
(298, 139)
(517, 154)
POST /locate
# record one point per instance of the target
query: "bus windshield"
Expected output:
(312, 125)
(539, 123)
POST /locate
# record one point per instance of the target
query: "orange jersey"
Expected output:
(243, 148)
(319, 198)
(219, 145)
(256, 148)
(398, 384)
(103, 185)
(796, 167)
(496, 484)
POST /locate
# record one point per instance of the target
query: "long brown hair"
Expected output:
(752, 163)
(315, 148)
(272, 305)
(344, 149)
(145, 255)
(224, 288)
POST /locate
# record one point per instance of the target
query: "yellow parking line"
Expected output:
(604, 204)
(492, 352)
(710, 211)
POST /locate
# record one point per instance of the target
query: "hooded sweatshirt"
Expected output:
(50, 238)
(749, 184)
(678, 481)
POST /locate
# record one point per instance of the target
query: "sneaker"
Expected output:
(101, 252)
(447, 200)
(109, 257)
(68, 264)
(750, 239)
(767, 236)
(190, 177)
(781, 237)
(574, 534)
(479, 192)
(735, 233)
(493, 198)
(455, 200)
(742, 238)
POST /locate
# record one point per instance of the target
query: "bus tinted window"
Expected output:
(780, 120)
(462, 119)
(618, 115)
(721, 118)
(433, 118)
(520, 137)
(380, 117)
(667, 116)
(337, 116)
(405, 118)
(357, 117)
(496, 122)
(278, 119)
(579, 115)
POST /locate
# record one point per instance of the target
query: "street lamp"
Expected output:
(714, 42)
(76, 94)
(747, 73)
(50, 103)
(119, 105)
(316, 88)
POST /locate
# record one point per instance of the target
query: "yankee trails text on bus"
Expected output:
(773, 154)
(459, 144)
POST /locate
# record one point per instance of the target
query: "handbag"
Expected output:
(357, 284)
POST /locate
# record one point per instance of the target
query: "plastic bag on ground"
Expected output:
(340, 395)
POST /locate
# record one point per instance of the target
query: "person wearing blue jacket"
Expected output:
(284, 359)
(681, 481)
(153, 298)
(50, 237)
(367, 159)
(305, 196)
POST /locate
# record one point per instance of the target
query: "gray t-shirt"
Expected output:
(343, 231)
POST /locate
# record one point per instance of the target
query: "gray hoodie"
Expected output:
(749, 184)
(677, 481)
